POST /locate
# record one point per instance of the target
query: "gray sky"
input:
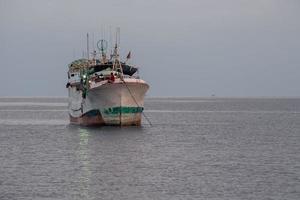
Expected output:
(183, 47)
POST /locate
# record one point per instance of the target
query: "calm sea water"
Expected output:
(197, 148)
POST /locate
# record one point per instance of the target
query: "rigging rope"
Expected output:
(148, 120)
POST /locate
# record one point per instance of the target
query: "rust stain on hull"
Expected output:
(99, 121)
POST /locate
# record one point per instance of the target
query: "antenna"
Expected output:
(94, 53)
(87, 46)
(110, 42)
(117, 64)
(118, 36)
(93, 37)
(104, 32)
(117, 43)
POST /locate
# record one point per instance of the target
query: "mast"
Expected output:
(87, 46)
(117, 64)
(118, 36)
(110, 43)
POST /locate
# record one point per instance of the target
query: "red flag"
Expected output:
(129, 55)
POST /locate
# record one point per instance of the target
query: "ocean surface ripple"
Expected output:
(197, 148)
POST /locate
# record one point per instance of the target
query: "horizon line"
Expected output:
(168, 97)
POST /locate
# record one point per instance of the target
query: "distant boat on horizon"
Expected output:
(105, 91)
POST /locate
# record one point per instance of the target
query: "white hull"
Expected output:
(116, 103)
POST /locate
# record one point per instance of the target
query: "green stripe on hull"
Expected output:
(112, 116)
(125, 110)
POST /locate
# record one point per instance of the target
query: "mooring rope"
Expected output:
(148, 120)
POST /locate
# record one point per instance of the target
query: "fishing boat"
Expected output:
(105, 90)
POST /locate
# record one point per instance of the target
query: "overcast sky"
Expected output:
(183, 47)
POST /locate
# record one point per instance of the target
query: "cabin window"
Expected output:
(72, 75)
